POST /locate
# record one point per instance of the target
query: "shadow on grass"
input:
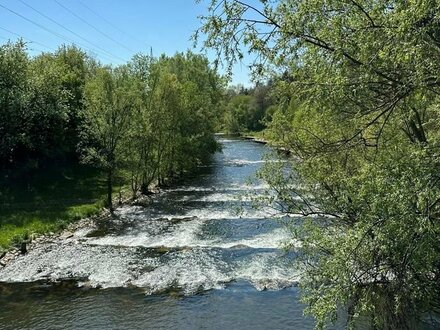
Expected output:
(47, 200)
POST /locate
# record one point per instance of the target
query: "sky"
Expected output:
(112, 30)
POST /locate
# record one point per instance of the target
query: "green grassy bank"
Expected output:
(48, 200)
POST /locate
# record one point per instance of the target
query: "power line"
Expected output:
(93, 27)
(28, 48)
(37, 24)
(32, 41)
(69, 30)
(59, 35)
(109, 22)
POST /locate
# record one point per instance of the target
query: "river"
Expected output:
(198, 257)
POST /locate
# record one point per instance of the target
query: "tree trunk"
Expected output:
(110, 189)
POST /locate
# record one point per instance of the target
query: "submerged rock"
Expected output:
(177, 220)
(240, 246)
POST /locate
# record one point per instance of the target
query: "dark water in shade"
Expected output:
(187, 261)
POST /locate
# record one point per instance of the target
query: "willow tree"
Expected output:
(358, 83)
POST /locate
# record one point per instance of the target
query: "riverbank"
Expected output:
(36, 239)
(259, 137)
(50, 204)
(47, 201)
(63, 233)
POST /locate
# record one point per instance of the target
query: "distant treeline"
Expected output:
(247, 109)
(150, 119)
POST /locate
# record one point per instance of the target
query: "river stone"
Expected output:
(177, 220)
(66, 235)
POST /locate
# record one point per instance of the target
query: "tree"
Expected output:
(107, 119)
(77, 67)
(42, 104)
(14, 64)
(173, 133)
(358, 84)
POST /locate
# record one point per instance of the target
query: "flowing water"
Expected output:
(199, 256)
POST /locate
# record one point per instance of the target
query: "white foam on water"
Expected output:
(221, 140)
(219, 197)
(230, 187)
(214, 197)
(181, 235)
(190, 271)
(188, 234)
(242, 162)
(272, 240)
(268, 271)
(232, 213)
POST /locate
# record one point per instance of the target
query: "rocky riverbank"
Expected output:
(51, 237)
(92, 223)
(264, 141)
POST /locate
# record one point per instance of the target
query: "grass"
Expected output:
(47, 201)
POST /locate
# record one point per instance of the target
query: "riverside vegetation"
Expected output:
(73, 132)
(352, 91)
(357, 103)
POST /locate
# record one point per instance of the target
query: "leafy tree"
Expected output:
(48, 109)
(14, 118)
(358, 85)
(107, 119)
(174, 129)
(244, 110)
(42, 103)
(77, 67)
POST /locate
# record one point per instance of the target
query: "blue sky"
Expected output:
(113, 30)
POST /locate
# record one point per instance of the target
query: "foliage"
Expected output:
(244, 110)
(13, 87)
(149, 121)
(107, 118)
(173, 133)
(41, 104)
(358, 86)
